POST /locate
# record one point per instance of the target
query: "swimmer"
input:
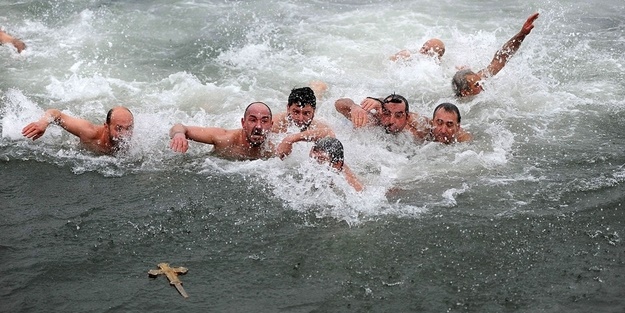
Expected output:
(246, 143)
(432, 48)
(391, 113)
(300, 114)
(6, 38)
(467, 83)
(329, 150)
(446, 125)
(110, 138)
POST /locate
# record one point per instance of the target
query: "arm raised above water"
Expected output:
(509, 49)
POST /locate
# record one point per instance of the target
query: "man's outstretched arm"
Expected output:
(180, 135)
(286, 146)
(77, 126)
(353, 112)
(509, 49)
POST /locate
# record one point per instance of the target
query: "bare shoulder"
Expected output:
(464, 136)
(418, 121)
(418, 125)
(280, 122)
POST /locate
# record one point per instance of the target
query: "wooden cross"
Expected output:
(172, 275)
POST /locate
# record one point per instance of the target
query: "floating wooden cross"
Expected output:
(172, 275)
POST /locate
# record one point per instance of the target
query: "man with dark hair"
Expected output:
(446, 125)
(110, 138)
(246, 143)
(329, 150)
(300, 114)
(6, 38)
(392, 113)
(467, 83)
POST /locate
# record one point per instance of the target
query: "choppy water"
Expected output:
(526, 218)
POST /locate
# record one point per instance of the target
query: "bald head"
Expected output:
(118, 112)
(257, 107)
(256, 123)
(433, 47)
(120, 122)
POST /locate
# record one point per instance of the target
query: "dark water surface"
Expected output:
(84, 243)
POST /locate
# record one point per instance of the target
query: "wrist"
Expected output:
(179, 134)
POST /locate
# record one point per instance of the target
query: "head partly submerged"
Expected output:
(466, 83)
(301, 107)
(328, 150)
(394, 115)
(434, 48)
(445, 123)
(256, 123)
(119, 124)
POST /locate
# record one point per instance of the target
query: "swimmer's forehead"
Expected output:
(258, 110)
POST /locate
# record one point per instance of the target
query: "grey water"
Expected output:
(526, 218)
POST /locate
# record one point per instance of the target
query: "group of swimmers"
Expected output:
(250, 141)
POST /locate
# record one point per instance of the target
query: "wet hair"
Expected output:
(332, 146)
(393, 98)
(248, 107)
(459, 82)
(109, 114)
(302, 97)
(448, 107)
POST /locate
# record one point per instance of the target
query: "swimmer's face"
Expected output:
(256, 124)
(323, 157)
(475, 86)
(120, 127)
(394, 117)
(301, 116)
(445, 126)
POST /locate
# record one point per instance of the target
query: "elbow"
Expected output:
(342, 103)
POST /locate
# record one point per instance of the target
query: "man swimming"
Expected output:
(391, 113)
(300, 112)
(432, 48)
(299, 115)
(329, 150)
(110, 138)
(446, 125)
(246, 143)
(467, 83)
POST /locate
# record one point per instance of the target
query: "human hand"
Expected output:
(179, 143)
(371, 104)
(529, 24)
(359, 116)
(284, 149)
(19, 45)
(35, 130)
